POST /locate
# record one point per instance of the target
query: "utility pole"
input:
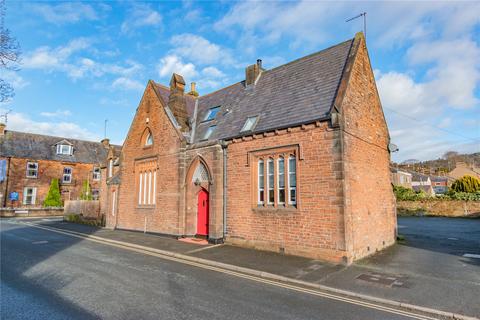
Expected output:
(364, 15)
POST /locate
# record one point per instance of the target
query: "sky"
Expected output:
(84, 62)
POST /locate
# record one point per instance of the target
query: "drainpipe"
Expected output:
(224, 148)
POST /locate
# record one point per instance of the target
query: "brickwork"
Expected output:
(47, 170)
(369, 200)
(344, 206)
(315, 227)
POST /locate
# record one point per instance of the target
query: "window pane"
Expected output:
(249, 123)
(271, 196)
(211, 113)
(281, 175)
(281, 196)
(262, 196)
(293, 195)
(209, 132)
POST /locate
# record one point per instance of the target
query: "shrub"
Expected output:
(467, 184)
(86, 191)
(53, 198)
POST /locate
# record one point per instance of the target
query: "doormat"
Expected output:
(201, 242)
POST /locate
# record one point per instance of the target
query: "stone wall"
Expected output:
(30, 212)
(446, 208)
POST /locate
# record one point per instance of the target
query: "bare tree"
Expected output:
(9, 55)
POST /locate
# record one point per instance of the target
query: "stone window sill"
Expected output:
(271, 209)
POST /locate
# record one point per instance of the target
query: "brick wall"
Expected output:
(47, 170)
(167, 145)
(370, 203)
(315, 228)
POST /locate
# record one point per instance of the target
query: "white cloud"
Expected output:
(141, 16)
(56, 114)
(22, 122)
(64, 13)
(124, 83)
(14, 79)
(70, 60)
(212, 72)
(200, 50)
(173, 64)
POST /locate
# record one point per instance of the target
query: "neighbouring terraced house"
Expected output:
(293, 159)
(29, 162)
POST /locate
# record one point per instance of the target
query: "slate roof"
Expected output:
(42, 147)
(298, 92)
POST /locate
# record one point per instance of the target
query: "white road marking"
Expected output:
(40, 242)
(246, 276)
(204, 248)
(472, 255)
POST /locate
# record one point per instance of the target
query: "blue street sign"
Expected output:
(13, 196)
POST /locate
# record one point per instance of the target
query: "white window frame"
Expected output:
(278, 180)
(290, 188)
(140, 185)
(114, 196)
(96, 176)
(270, 186)
(208, 116)
(70, 175)
(209, 132)
(66, 151)
(33, 170)
(249, 124)
(33, 195)
(149, 140)
(261, 186)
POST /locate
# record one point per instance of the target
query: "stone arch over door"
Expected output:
(198, 178)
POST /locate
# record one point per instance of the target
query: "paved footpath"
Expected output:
(401, 288)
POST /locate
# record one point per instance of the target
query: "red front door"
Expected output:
(202, 217)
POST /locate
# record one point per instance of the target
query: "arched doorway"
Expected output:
(202, 213)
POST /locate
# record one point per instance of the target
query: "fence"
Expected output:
(89, 209)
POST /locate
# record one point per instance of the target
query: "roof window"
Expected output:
(209, 132)
(212, 113)
(64, 149)
(250, 123)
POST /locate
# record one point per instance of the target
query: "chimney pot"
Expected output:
(193, 91)
(2, 128)
(106, 142)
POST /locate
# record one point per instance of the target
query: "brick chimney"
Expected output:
(193, 91)
(177, 102)
(106, 142)
(2, 128)
(252, 72)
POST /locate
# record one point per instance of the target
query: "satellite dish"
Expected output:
(392, 147)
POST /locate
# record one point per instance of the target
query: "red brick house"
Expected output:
(292, 159)
(29, 162)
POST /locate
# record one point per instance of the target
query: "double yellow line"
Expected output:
(280, 284)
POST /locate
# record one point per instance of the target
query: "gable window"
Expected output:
(211, 114)
(261, 182)
(281, 180)
(209, 132)
(270, 182)
(276, 179)
(67, 175)
(147, 183)
(292, 180)
(96, 173)
(29, 195)
(249, 124)
(149, 139)
(32, 169)
(64, 149)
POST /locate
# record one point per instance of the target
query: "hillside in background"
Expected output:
(440, 166)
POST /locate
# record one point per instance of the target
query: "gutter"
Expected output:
(9, 159)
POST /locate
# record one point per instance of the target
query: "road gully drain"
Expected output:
(382, 279)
